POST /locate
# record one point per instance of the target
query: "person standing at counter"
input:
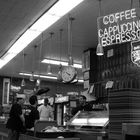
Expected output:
(46, 111)
(33, 115)
(83, 105)
(16, 121)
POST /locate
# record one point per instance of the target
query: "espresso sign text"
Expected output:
(120, 27)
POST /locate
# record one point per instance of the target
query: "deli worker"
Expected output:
(46, 111)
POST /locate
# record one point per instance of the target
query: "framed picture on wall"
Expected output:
(6, 89)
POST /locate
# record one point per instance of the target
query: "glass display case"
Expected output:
(91, 124)
(98, 118)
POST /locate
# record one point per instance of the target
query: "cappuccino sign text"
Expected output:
(119, 27)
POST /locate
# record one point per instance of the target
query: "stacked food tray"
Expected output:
(124, 107)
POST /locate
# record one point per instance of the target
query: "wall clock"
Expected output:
(68, 74)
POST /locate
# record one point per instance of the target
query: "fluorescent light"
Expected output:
(44, 22)
(18, 46)
(77, 66)
(54, 62)
(81, 81)
(2, 63)
(58, 10)
(63, 6)
(57, 62)
(42, 76)
(7, 57)
(54, 13)
(23, 41)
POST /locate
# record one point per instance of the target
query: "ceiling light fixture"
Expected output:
(38, 81)
(59, 75)
(99, 49)
(32, 77)
(57, 62)
(70, 58)
(58, 10)
(49, 68)
(23, 65)
(45, 76)
(37, 75)
(33, 63)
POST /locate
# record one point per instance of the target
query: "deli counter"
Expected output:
(91, 125)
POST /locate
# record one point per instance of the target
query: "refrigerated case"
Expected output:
(91, 125)
(60, 109)
(63, 107)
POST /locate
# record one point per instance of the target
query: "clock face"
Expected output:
(68, 74)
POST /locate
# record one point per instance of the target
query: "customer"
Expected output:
(45, 111)
(33, 115)
(16, 121)
(82, 106)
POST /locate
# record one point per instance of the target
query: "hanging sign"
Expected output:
(119, 27)
(135, 52)
(109, 84)
(62, 99)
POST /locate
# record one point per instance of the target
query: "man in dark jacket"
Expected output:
(16, 121)
(33, 115)
(82, 106)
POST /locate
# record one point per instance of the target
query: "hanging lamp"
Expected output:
(70, 58)
(59, 75)
(23, 81)
(33, 60)
(49, 68)
(38, 81)
(99, 49)
(32, 77)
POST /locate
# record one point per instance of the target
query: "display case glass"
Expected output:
(90, 118)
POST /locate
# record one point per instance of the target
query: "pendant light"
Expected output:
(59, 75)
(23, 81)
(99, 49)
(38, 81)
(49, 69)
(70, 58)
(33, 60)
(32, 77)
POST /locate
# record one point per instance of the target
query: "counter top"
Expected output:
(3, 129)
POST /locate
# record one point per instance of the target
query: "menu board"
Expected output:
(119, 27)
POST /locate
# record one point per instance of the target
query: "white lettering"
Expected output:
(111, 18)
(122, 15)
(100, 32)
(103, 41)
(110, 30)
(118, 38)
(105, 20)
(113, 31)
(133, 13)
(117, 17)
(127, 14)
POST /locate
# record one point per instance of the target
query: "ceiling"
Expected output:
(17, 15)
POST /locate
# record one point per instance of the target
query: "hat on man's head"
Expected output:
(20, 96)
